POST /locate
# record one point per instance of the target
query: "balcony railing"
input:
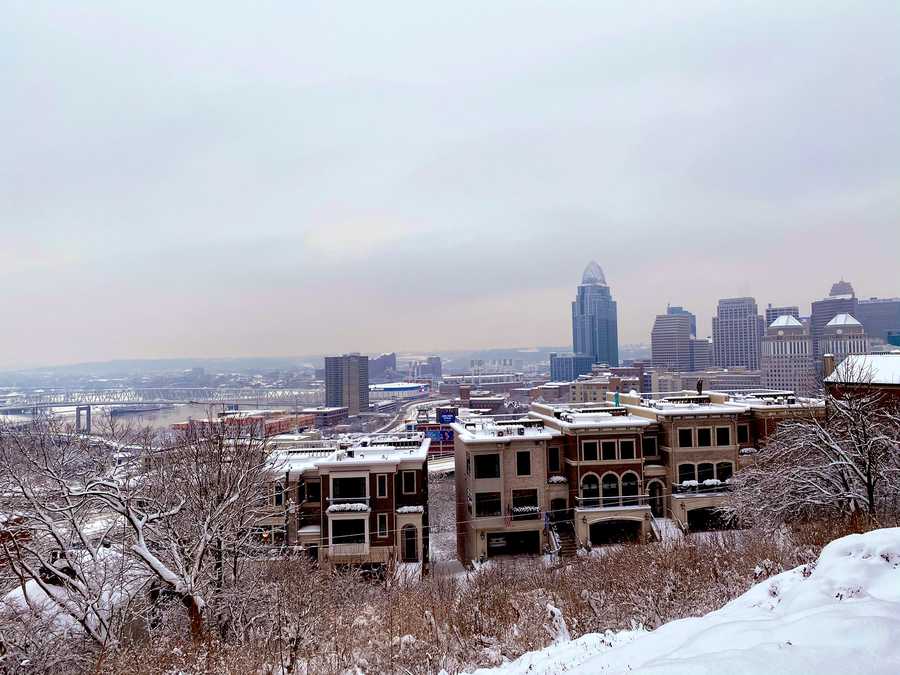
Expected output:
(693, 487)
(349, 500)
(616, 502)
(348, 550)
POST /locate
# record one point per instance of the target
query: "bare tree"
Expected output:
(846, 464)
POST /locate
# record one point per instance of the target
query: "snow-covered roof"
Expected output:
(867, 369)
(843, 320)
(785, 321)
(342, 454)
(487, 430)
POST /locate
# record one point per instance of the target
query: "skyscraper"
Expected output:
(842, 336)
(878, 316)
(737, 330)
(567, 367)
(772, 313)
(670, 342)
(677, 310)
(841, 300)
(786, 358)
(595, 318)
(347, 382)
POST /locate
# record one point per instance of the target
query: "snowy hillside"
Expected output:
(838, 615)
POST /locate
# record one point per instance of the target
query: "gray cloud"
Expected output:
(292, 178)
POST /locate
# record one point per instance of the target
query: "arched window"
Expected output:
(590, 490)
(686, 472)
(724, 471)
(610, 488)
(629, 489)
(278, 495)
(706, 471)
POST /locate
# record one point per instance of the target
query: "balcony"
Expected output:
(693, 487)
(345, 504)
(526, 513)
(615, 502)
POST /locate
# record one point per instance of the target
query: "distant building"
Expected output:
(383, 366)
(787, 360)
(347, 382)
(880, 372)
(841, 300)
(732, 379)
(670, 342)
(595, 318)
(737, 330)
(435, 367)
(843, 336)
(701, 353)
(677, 310)
(567, 367)
(879, 316)
(773, 313)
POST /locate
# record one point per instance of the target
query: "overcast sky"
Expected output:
(279, 178)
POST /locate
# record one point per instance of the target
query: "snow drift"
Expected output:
(840, 614)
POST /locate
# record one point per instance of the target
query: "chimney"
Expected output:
(827, 364)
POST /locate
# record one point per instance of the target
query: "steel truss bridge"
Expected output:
(261, 397)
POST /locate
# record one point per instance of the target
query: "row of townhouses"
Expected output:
(562, 476)
(569, 475)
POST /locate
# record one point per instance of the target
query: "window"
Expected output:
(685, 438)
(648, 446)
(553, 463)
(343, 489)
(705, 471)
(704, 437)
(409, 482)
(314, 491)
(724, 471)
(630, 489)
(723, 435)
(278, 496)
(590, 490)
(610, 487)
(487, 504)
(523, 463)
(589, 451)
(686, 472)
(608, 449)
(487, 466)
(381, 482)
(382, 525)
(525, 504)
(301, 492)
(743, 433)
(626, 449)
(351, 531)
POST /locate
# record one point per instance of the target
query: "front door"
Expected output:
(656, 501)
(410, 545)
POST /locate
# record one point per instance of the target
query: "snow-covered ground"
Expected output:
(838, 615)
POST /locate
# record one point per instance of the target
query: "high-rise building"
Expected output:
(879, 316)
(435, 367)
(595, 318)
(670, 342)
(383, 366)
(567, 367)
(843, 336)
(347, 382)
(786, 358)
(841, 300)
(772, 313)
(737, 330)
(677, 310)
(701, 353)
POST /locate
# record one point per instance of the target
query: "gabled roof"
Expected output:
(786, 321)
(843, 320)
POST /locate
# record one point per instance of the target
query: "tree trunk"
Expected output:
(195, 615)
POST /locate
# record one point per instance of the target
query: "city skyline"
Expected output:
(304, 180)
